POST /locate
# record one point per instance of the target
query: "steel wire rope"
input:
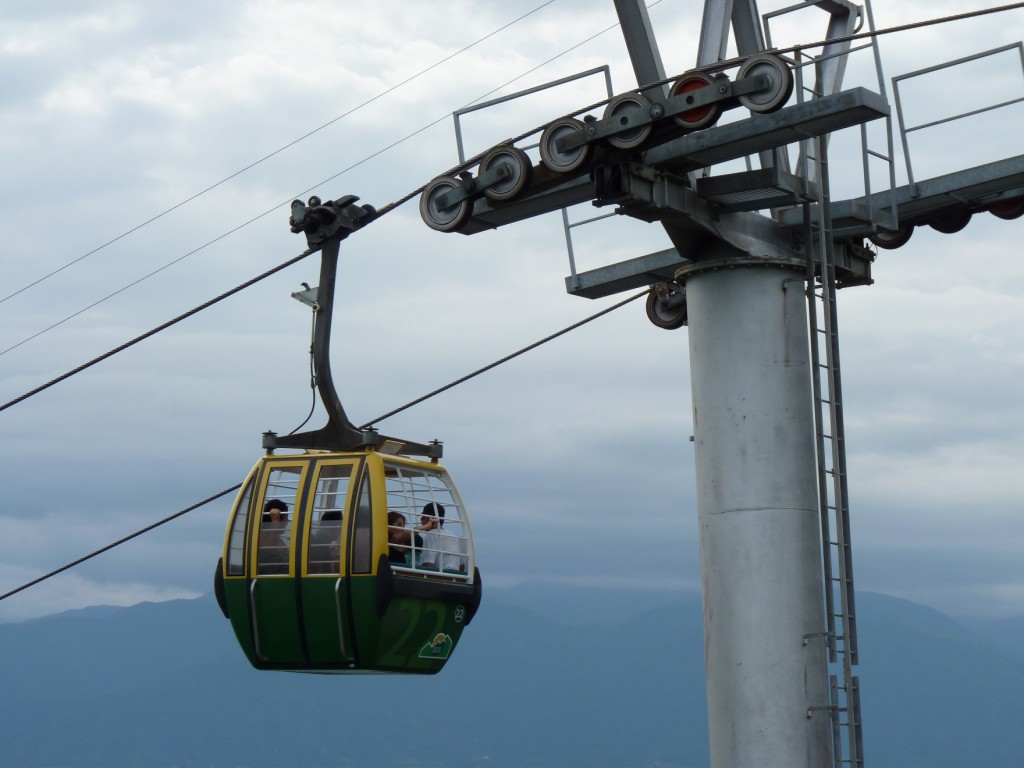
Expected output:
(478, 157)
(507, 358)
(909, 26)
(159, 328)
(124, 288)
(345, 170)
(274, 153)
(386, 209)
(728, 63)
(717, 65)
(410, 404)
(456, 169)
(466, 164)
(120, 541)
(381, 212)
(724, 64)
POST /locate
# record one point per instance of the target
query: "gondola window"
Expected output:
(275, 536)
(327, 517)
(421, 496)
(362, 540)
(236, 541)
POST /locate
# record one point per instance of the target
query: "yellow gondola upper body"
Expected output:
(351, 556)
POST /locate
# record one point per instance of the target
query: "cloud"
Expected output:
(575, 458)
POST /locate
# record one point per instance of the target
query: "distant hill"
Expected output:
(933, 692)
(533, 683)
(1007, 635)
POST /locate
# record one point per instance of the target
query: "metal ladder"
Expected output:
(833, 501)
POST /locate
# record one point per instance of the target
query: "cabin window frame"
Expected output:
(317, 510)
(294, 501)
(235, 551)
(408, 488)
(361, 560)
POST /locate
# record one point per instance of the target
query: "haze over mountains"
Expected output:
(545, 676)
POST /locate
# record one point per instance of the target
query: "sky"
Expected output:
(157, 145)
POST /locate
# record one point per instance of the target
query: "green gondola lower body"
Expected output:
(388, 622)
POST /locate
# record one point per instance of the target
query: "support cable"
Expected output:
(154, 331)
(724, 64)
(473, 160)
(272, 154)
(380, 212)
(110, 546)
(910, 26)
(321, 183)
(386, 209)
(132, 284)
(505, 359)
(418, 400)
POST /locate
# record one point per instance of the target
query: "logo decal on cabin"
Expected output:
(438, 648)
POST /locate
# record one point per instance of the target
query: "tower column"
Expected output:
(761, 572)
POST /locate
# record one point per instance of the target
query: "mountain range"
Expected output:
(545, 676)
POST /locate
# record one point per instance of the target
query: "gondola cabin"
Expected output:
(347, 563)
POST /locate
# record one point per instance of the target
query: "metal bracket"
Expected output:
(335, 218)
(308, 297)
(643, 192)
(831, 709)
(810, 636)
(325, 226)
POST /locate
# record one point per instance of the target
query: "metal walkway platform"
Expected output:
(763, 132)
(972, 190)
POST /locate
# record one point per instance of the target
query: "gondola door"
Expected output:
(325, 598)
(272, 593)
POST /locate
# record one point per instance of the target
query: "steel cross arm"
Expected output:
(691, 222)
(486, 215)
(722, 89)
(642, 192)
(760, 132)
(690, 152)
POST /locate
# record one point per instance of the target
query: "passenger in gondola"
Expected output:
(325, 543)
(441, 549)
(275, 538)
(401, 540)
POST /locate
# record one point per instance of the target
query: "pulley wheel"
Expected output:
(570, 160)
(447, 219)
(780, 83)
(619, 110)
(520, 171)
(1008, 209)
(892, 240)
(948, 223)
(699, 117)
(667, 311)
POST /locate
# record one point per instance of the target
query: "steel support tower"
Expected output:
(757, 292)
(740, 282)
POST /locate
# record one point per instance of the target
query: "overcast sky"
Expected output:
(575, 460)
